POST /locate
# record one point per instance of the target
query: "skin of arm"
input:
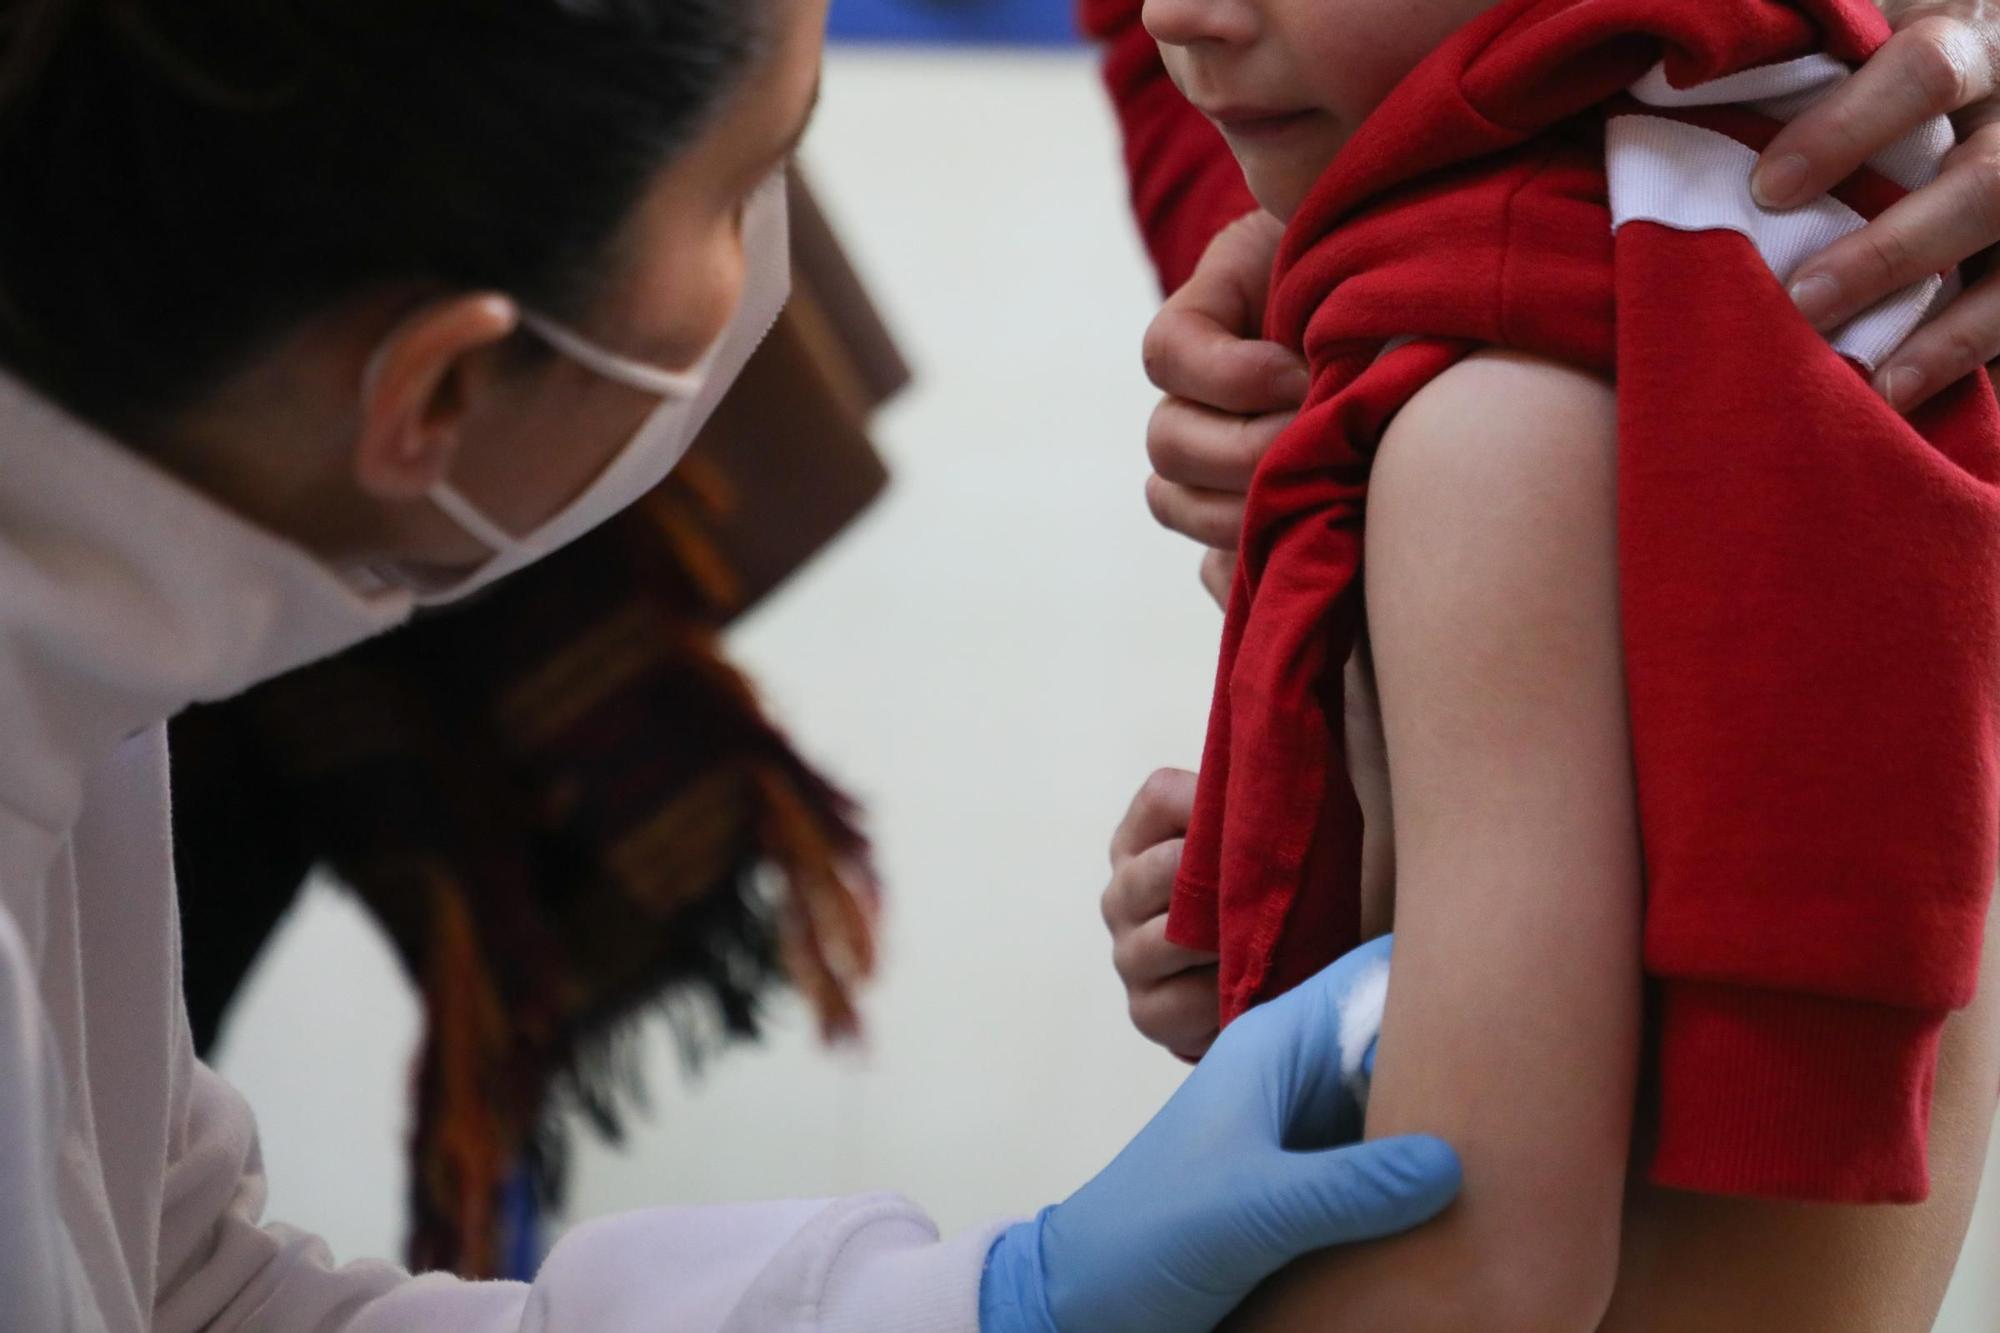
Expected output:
(1513, 1016)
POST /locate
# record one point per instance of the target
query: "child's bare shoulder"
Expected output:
(1501, 408)
(1495, 455)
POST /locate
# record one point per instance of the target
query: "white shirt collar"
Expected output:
(126, 595)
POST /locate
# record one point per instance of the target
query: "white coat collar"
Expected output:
(126, 595)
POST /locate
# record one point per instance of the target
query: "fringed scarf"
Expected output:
(566, 809)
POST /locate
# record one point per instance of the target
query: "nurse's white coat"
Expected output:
(130, 1183)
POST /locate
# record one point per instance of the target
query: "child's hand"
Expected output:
(1171, 991)
(1228, 394)
(1944, 60)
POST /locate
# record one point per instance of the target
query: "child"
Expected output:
(1599, 613)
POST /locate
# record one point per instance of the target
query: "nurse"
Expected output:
(316, 311)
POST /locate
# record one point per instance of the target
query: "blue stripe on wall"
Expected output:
(1030, 22)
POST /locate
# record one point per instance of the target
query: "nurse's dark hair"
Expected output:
(182, 181)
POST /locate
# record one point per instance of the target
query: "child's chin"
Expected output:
(1282, 180)
(1279, 193)
(1284, 174)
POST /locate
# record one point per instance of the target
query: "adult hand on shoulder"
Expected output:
(1228, 393)
(1943, 60)
(1233, 1179)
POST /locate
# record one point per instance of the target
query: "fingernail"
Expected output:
(1294, 384)
(1816, 296)
(1779, 184)
(1900, 385)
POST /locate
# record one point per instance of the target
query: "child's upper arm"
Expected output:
(1513, 1018)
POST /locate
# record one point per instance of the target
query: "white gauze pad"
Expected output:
(1360, 1023)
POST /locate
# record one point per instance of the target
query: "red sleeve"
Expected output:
(1186, 186)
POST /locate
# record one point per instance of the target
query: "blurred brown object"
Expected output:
(786, 462)
(561, 802)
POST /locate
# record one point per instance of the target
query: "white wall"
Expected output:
(994, 660)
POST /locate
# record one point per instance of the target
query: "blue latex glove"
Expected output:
(1233, 1179)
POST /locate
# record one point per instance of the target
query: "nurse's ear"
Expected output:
(419, 388)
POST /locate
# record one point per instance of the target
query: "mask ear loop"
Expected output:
(634, 374)
(467, 516)
(441, 493)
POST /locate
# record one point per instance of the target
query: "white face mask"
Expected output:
(688, 398)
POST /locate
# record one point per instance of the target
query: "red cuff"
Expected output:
(1792, 1096)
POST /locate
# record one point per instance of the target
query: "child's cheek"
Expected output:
(1344, 49)
(1355, 52)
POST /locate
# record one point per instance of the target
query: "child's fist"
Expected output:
(1170, 991)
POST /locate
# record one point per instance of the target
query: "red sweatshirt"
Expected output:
(1808, 584)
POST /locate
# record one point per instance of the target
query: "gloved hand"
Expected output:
(1234, 1178)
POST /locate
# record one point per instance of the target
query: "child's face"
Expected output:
(1287, 81)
